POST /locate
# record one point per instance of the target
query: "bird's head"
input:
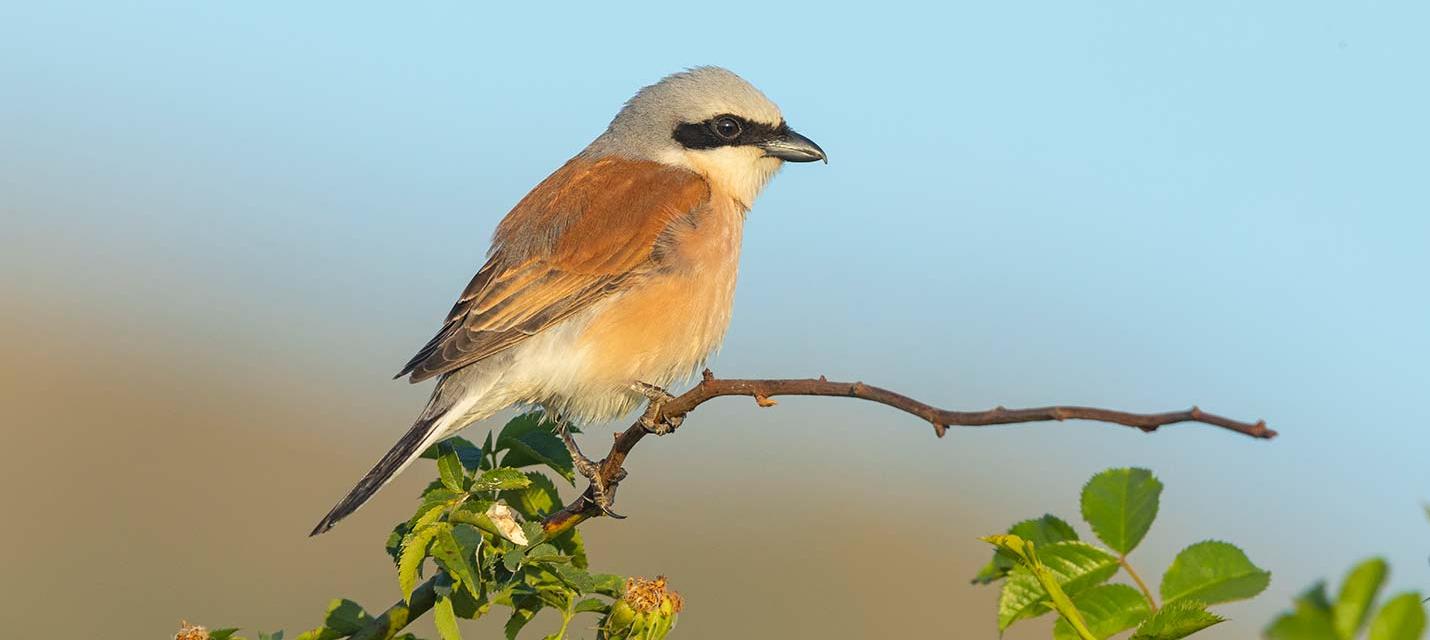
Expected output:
(712, 122)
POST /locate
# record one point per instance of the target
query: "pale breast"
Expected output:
(665, 328)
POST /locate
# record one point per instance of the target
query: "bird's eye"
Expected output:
(727, 127)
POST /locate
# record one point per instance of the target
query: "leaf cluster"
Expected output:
(1045, 567)
(477, 535)
(1317, 617)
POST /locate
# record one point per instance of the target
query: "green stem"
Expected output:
(566, 616)
(401, 614)
(1146, 593)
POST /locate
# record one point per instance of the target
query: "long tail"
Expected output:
(426, 431)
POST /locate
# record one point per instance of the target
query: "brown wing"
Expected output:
(585, 232)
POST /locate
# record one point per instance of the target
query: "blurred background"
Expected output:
(226, 226)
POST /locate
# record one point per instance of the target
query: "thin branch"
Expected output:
(672, 411)
(762, 391)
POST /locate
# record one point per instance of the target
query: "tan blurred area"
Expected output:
(153, 475)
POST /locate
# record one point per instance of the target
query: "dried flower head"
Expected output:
(646, 596)
(191, 631)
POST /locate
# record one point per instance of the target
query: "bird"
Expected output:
(610, 280)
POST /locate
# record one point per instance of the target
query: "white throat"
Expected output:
(738, 172)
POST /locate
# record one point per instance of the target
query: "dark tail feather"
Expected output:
(402, 453)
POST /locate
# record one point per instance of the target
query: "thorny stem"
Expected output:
(675, 409)
(1146, 593)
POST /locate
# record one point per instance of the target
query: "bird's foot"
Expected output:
(652, 420)
(603, 492)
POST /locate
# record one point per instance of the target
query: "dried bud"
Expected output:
(647, 611)
(191, 632)
(505, 520)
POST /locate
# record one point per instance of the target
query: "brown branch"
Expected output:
(675, 409)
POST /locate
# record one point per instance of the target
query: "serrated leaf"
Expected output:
(528, 439)
(592, 605)
(1177, 620)
(547, 553)
(524, 609)
(345, 617)
(1042, 531)
(453, 548)
(579, 580)
(446, 619)
(537, 500)
(512, 559)
(470, 454)
(608, 584)
(572, 544)
(1076, 566)
(1358, 592)
(501, 479)
(1310, 620)
(1121, 504)
(1402, 618)
(1212, 572)
(449, 468)
(414, 550)
(1107, 609)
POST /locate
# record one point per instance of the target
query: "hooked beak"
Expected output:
(792, 147)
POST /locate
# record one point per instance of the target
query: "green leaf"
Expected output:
(414, 550)
(470, 454)
(345, 617)
(545, 553)
(454, 548)
(1025, 553)
(1041, 531)
(223, 634)
(1212, 572)
(276, 635)
(528, 440)
(537, 500)
(608, 584)
(1121, 504)
(592, 605)
(449, 467)
(1357, 595)
(1107, 609)
(1177, 620)
(524, 609)
(446, 619)
(1311, 619)
(579, 580)
(501, 479)
(512, 560)
(1402, 618)
(1077, 567)
(572, 544)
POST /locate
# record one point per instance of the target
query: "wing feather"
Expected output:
(589, 230)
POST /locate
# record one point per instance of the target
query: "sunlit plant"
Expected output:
(1045, 568)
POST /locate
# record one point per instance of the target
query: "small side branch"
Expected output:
(675, 409)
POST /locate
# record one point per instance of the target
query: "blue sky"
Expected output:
(1127, 204)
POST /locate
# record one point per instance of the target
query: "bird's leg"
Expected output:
(651, 419)
(602, 492)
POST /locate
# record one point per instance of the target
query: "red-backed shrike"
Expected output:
(615, 274)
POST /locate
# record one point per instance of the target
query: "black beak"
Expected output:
(792, 147)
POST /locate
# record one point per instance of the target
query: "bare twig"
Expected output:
(762, 391)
